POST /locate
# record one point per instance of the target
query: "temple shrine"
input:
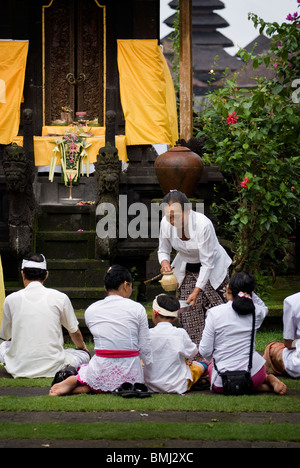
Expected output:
(93, 63)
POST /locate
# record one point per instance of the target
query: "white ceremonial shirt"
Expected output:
(227, 338)
(33, 318)
(116, 323)
(171, 346)
(203, 247)
(291, 331)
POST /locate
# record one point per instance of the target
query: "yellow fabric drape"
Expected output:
(147, 93)
(43, 148)
(2, 292)
(61, 130)
(13, 57)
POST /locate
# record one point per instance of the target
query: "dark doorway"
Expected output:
(74, 58)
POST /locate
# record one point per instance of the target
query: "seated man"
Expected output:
(32, 326)
(170, 372)
(284, 358)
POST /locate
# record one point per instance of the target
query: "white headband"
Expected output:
(33, 264)
(162, 311)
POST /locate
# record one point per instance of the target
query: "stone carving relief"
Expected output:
(108, 171)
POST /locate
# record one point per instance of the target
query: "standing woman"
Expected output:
(201, 264)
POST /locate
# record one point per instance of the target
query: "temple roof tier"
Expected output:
(210, 20)
(201, 4)
(202, 38)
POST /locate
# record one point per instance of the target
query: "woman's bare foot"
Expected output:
(65, 387)
(278, 386)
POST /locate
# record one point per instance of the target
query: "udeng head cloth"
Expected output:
(33, 264)
(162, 311)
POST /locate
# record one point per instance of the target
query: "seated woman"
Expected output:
(227, 333)
(284, 358)
(121, 336)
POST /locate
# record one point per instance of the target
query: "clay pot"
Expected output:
(179, 168)
(169, 281)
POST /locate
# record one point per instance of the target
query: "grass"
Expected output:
(157, 432)
(190, 402)
(143, 431)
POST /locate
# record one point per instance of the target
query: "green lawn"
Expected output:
(143, 431)
(217, 429)
(193, 401)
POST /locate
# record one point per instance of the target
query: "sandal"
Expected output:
(63, 374)
(125, 390)
(141, 390)
(128, 390)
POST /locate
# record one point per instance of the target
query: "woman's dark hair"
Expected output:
(242, 282)
(175, 196)
(115, 276)
(35, 274)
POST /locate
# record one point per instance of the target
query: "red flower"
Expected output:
(244, 183)
(232, 118)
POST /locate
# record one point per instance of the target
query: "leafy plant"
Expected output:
(253, 137)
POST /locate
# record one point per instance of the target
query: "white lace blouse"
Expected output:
(116, 323)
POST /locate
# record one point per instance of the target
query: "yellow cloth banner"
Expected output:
(43, 148)
(2, 292)
(13, 57)
(147, 93)
(51, 130)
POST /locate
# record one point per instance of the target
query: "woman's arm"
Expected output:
(206, 346)
(193, 297)
(144, 338)
(77, 339)
(165, 248)
(289, 344)
(206, 247)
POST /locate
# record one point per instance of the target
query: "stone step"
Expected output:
(56, 192)
(67, 218)
(81, 297)
(76, 273)
(66, 245)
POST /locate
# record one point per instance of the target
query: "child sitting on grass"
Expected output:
(171, 346)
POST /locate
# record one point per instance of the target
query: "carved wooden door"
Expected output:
(74, 55)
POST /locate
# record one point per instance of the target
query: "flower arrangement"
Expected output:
(72, 148)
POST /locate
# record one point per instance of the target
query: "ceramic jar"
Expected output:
(179, 168)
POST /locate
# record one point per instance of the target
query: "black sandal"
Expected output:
(141, 390)
(125, 390)
(63, 374)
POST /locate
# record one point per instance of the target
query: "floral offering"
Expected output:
(72, 148)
